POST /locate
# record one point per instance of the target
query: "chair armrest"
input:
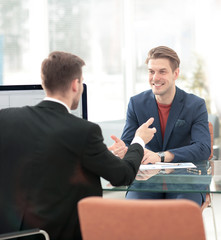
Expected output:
(24, 233)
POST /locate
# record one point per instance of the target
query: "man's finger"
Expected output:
(149, 121)
(115, 138)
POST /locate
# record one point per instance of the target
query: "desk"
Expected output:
(206, 178)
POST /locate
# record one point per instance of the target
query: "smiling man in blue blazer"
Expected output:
(181, 120)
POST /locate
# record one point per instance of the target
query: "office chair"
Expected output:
(208, 200)
(24, 233)
(214, 119)
(118, 219)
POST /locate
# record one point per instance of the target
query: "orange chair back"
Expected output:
(120, 219)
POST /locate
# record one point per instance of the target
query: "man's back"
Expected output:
(49, 160)
(41, 175)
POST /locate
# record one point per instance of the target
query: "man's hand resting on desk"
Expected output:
(153, 157)
(150, 157)
(144, 132)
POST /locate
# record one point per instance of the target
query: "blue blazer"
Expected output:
(187, 132)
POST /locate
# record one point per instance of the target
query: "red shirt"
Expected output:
(163, 111)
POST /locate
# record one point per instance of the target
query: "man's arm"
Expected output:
(199, 146)
(100, 161)
(195, 146)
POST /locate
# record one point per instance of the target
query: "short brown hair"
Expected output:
(164, 52)
(59, 69)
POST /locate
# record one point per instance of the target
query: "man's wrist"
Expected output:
(168, 156)
(162, 156)
(138, 140)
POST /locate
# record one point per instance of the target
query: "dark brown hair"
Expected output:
(164, 52)
(59, 69)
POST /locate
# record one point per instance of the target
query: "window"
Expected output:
(113, 37)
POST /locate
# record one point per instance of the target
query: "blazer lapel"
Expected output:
(175, 110)
(154, 112)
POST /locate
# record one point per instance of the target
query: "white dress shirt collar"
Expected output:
(58, 101)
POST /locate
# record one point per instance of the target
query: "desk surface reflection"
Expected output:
(206, 178)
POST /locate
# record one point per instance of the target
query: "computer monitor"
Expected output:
(22, 95)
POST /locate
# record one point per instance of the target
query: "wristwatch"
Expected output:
(162, 156)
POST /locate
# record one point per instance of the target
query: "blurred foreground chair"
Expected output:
(119, 219)
(24, 233)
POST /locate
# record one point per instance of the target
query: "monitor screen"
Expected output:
(22, 95)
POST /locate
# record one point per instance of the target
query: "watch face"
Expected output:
(161, 154)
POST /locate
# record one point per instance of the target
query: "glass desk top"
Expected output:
(206, 178)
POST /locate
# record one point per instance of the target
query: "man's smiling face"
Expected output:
(162, 78)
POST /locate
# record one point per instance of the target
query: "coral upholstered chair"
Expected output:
(208, 200)
(120, 219)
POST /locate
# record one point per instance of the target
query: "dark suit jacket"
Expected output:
(49, 160)
(187, 133)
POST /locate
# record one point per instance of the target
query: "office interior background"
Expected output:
(113, 37)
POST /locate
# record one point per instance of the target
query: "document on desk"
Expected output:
(166, 166)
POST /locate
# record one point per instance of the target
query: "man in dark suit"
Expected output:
(181, 120)
(50, 159)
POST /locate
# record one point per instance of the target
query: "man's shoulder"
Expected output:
(187, 96)
(12, 110)
(83, 123)
(148, 94)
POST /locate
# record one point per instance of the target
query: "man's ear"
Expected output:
(75, 85)
(176, 73)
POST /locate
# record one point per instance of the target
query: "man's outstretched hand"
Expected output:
(118, 148)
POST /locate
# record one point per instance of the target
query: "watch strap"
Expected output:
(162, 156)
